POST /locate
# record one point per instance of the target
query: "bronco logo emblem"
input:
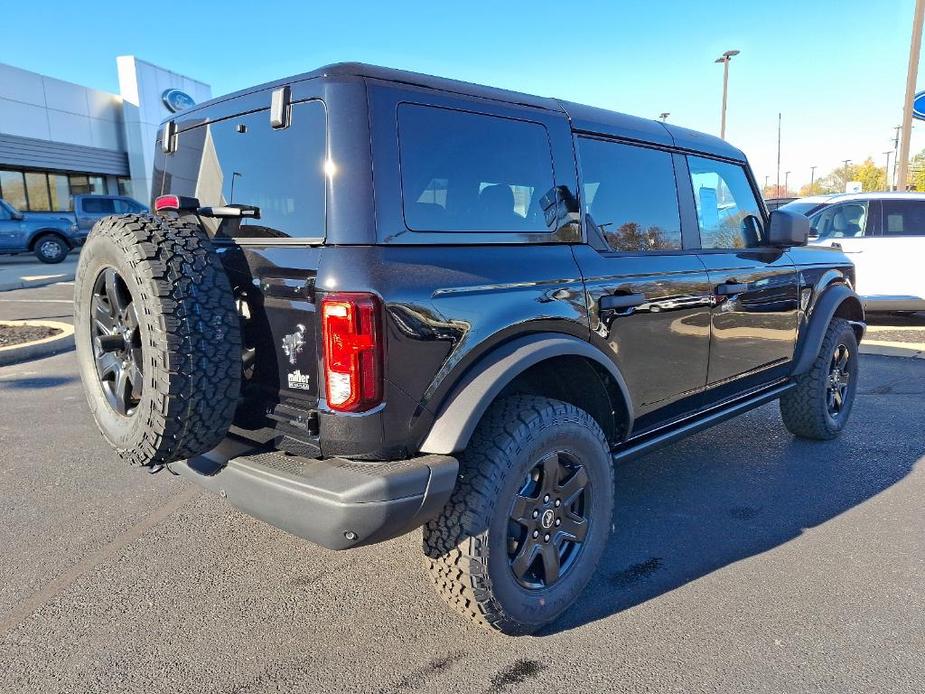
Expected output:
(293, 344)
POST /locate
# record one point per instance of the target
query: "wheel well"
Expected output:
(581, 382)
(851, 309)
(47, 232)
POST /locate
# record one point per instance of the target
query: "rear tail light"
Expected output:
(350, 330)
(174, 203)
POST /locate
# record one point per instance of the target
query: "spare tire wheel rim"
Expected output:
(549, 521)
(116, 341)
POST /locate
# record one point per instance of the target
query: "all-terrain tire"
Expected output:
(805, 408)
(51, 248)
(466, 547)
(189, 337)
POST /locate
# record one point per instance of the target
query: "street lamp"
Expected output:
(724, 59)
(812, 178)
(886, 171)
(786, 182)
(663, 116)
(847, 161)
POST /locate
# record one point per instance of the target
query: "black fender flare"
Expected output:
(469, 399)
(824, 309)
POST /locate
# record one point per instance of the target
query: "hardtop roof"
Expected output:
(584, 118)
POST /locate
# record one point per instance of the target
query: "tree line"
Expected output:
(872, 178)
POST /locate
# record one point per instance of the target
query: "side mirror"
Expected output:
(18, 216)
(788, 229)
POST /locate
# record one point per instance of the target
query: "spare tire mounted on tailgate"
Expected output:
(158, 338)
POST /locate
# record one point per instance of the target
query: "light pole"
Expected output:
(766, 184)
(786, 182)
(724, 59)
(663, 116)
(847, 161)
(812, 178)
(886, 171)
(911, 77)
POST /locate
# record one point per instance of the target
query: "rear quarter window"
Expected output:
(464, 171)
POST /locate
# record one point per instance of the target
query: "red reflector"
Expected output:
(352, 351)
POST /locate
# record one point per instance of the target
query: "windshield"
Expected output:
(801, 207)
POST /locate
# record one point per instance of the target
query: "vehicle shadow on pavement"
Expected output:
(35, 382)
(694, 508)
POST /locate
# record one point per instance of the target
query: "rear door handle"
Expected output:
(614, 301)
(731, 288)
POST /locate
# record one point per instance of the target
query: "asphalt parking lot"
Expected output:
(742, 560)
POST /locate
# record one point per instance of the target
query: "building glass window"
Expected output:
(60, 190)
(82, 184)
(37, 191)
(125, 186)
(13, 189)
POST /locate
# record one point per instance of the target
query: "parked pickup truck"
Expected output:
(52, 235)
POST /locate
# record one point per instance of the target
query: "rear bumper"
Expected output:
(335, 503)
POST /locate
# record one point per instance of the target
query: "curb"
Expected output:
(43, 281)
(46, 347)
(909, 350)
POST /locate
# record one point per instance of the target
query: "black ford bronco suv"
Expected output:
(370, 301)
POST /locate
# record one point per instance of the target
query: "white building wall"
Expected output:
(142, 86)
(33, 105)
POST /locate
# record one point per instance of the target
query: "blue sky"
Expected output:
(835, 70)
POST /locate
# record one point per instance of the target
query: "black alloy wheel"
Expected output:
(839, 380)
(548, 521)
(116, 342)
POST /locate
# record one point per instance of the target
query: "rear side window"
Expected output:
(242, 160)
(98, 206)
(464, 171)
(126, 206)
(629, 194)
(903, 218)
(728, 212)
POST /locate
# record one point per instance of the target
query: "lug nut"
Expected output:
(558, 503)
(546, 499)
(535, 513)
(558, 521)
(536, 533)
(546, 538)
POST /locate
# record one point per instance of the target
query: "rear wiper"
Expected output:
(180, 203)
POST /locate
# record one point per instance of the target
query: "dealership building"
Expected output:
(59, 139)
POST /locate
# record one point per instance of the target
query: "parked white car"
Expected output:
(884, 234)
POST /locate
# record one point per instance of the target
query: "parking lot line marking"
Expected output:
(39, 599)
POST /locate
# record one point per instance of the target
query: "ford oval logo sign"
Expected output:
(918, 106)
(176, 100)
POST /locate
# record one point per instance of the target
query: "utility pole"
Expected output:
(724, 59)
(911, 77)
(777, 183)
(812, 178)
(886, 171)
(786, 182)
(663, 116)
(895, 157)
